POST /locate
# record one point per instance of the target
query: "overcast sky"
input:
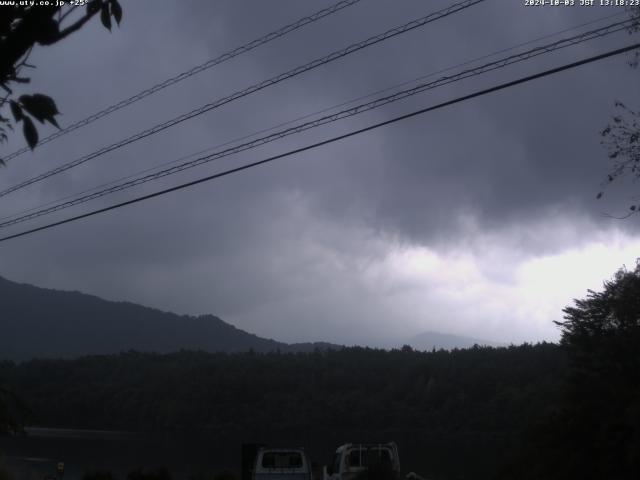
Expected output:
(479, 219)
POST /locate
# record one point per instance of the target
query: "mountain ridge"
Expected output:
(47, 323)
(40, 322)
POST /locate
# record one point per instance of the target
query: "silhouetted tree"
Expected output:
(98, 475)
(21, 28)
(599, 431)
(149, 474)
(12, 412)
(223, 475)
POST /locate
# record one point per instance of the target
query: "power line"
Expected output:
(496, 88)
(501, 63)
(191, 72)
(318, 112)
(312, 114)
(309, 115)
(330, 118)
(252, 89)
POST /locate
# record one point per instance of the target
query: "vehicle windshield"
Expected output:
(367, 457)
(282, 460)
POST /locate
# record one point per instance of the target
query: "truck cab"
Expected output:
(353, 461)
(281, 464)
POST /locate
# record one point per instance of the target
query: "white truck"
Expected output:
(281, 464)
(379, 460)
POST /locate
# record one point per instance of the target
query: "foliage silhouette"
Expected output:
(149, 474)
(601, 335)
(98, 475)
(593, 432)
(13, 412)
(223, 475)
(4, 474)
(22, 27)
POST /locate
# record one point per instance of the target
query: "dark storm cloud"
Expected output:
(290, 248)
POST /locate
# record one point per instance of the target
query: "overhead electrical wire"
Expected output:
(454, 8)
(191, 72)
(422, 111)
(343, 114)
(501, 63)
(309, 115)
(318, 112)
(312, 114)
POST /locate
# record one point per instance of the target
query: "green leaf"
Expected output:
(41, 107)
(116, 11)
(105, 16)
(16, 111)
(30, 132)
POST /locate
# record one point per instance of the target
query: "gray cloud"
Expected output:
(304, 249)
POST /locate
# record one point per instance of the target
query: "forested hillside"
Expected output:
(43, 323)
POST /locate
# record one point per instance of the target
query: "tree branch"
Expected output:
(66, 14)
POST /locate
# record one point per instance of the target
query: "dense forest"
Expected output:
(478, 402)
(478, 389)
